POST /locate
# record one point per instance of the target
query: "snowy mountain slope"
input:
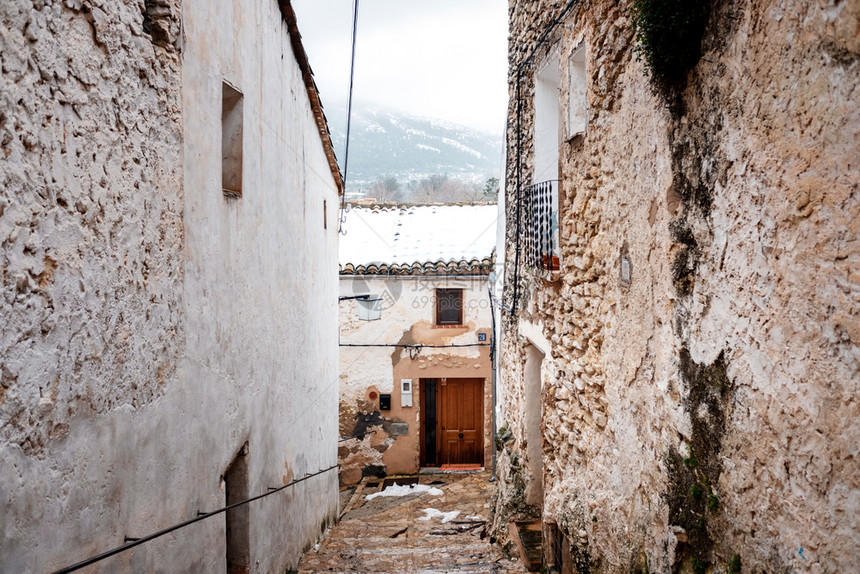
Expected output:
(388, 143)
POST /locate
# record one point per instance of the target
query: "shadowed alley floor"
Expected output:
(387, 534)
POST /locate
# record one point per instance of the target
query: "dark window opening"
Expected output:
(449, 306)
(237, 489)
(231, 141)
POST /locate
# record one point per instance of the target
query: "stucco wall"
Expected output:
(737, 336)
(261, 275)
(93, 328)
(151, 326)
(408, 318)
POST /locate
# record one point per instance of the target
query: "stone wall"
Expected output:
(704, 413)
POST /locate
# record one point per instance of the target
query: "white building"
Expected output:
(168, 210)
(416, 380)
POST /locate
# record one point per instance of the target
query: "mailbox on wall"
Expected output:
(405, 392)
(385, 401)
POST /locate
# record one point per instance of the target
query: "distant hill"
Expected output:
(384, 143)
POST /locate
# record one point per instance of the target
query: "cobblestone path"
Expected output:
(387, 534)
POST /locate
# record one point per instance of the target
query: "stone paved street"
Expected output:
(386, 534)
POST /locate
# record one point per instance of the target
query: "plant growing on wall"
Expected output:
(668, 35)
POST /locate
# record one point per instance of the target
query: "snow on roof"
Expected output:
(417, 235)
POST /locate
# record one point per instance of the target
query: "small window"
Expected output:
(577, 103)
(231, 141)
(325, 215)
(449, 306)
(547, 120)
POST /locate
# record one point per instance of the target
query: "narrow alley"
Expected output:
(440, 528)
(490, 286)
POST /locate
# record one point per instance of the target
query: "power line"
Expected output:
(348, 119)
(416, 346)
(131, 543)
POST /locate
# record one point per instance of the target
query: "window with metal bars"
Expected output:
(541, 229)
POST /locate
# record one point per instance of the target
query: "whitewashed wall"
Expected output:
(261, 276)
(151, 327)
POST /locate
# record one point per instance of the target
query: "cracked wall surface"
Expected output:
(151, 325)
(90, 215)
(706, 409)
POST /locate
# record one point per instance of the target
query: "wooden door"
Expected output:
(461, 421)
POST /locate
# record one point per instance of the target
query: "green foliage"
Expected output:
(735, 565)
(699, 567)
(696, 492)
(690, 460)
(669, 35)
(491, 188)
(713, 502)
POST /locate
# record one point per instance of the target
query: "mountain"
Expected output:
(388, 143)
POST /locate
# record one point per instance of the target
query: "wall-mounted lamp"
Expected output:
(369, 306)
(369, 309)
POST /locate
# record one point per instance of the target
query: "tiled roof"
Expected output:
(419, 240)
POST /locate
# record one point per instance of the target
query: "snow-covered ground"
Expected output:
(431, 513)
(406, 490)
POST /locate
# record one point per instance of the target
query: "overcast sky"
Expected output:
(442, 59)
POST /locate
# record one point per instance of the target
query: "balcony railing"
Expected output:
(541, 225)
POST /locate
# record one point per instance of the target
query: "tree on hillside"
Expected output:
(386, 188)
(429, 189)
(491, 189)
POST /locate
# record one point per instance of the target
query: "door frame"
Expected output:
(482, 430)
(422, 438)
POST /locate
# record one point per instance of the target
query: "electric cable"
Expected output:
(342, 218)
(418, 345)
(132, 542)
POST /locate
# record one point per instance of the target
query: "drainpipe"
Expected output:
(493, 379)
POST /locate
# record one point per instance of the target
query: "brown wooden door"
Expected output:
(461, 421)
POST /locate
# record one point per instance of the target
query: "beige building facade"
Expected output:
(415, 379)
(680, 351)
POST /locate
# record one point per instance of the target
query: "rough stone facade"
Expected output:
(151, 326)
(703, 415)
(91, 215)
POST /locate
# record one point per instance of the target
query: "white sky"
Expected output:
(443, 59)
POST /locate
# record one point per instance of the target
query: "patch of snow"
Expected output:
(373, 127)
(473, 517)
(431, 513)
(418, 234)
(428, 148)
(461, 147)
(405, 490)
